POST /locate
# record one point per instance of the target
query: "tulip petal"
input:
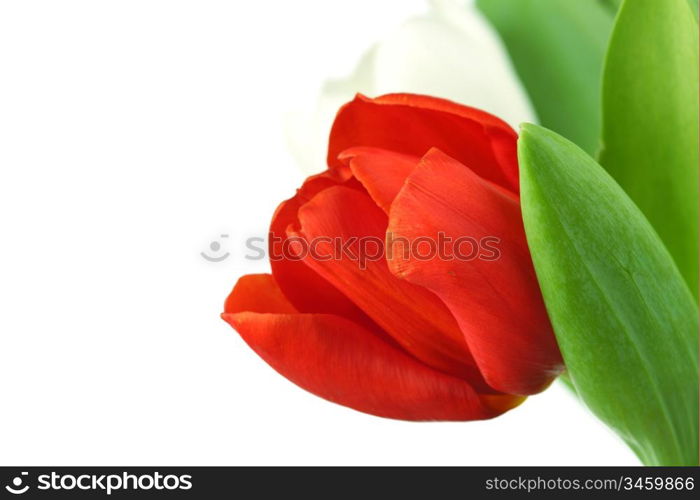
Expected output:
(412, 124)
(257, 293)
(381, 172)
(495, 298)
(410, 314)
(342, 362)
(304, 288)
(451, 52)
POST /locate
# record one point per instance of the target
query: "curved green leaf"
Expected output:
(615, 5)
(694, 7)
(624, 319)
(557, 48)
(650, 120)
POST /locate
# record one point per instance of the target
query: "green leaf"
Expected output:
(557, 48)
(650, 120)
(625, 321)
(615, 4)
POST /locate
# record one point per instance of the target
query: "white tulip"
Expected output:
(450, 52)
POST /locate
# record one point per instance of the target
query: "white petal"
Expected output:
(307, 132)
(451, 52)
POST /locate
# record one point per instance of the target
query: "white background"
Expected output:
(132, 134)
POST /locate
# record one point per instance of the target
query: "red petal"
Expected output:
(257, 293)
(412, 315)
(338, 360)
(497, 303)
(304, 288)
(412, 124)
(380, 171)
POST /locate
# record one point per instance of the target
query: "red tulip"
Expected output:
(401, 334)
